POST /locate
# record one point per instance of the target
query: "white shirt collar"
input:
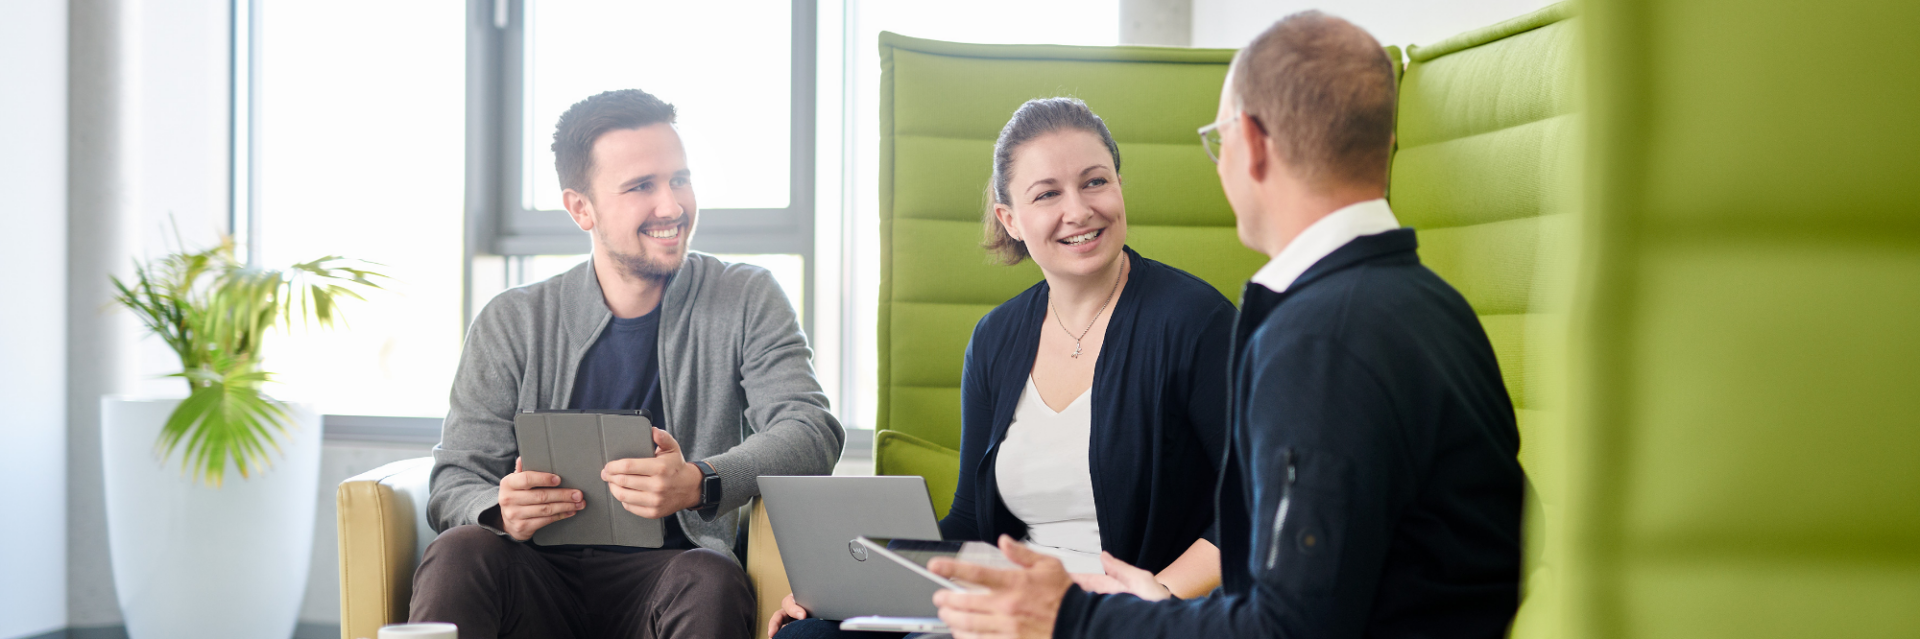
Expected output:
(1322, 238)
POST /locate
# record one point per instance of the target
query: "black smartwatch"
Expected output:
(709, 491)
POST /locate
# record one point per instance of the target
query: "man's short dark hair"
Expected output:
(588, 119)
(1323, 89)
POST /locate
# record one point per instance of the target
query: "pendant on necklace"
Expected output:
(1076, 350)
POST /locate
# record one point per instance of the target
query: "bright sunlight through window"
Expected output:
(361, 144)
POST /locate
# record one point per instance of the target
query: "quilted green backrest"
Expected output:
(1744, 448)
(941, 106)
(1487, 143)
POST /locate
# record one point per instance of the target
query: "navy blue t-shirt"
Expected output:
(621, 371)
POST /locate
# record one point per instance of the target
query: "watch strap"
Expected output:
(710, 490)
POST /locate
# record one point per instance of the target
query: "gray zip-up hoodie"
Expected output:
(736, 386)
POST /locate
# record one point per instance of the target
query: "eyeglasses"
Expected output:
(1210, 137)
(1210, 140)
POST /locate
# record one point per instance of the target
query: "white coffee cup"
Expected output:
(419, 631)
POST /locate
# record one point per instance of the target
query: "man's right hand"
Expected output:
(529, 501)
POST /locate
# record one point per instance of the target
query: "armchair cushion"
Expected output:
(383, 531)
(897, 453)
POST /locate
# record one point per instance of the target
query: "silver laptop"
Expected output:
(815, 520)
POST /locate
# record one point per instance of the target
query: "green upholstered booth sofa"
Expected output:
(1695, 249)
(1483, 170)
(1485, 145)
(1708, 317)
(1742, 454)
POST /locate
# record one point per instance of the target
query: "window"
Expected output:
(358, 152)
(732, 90)
(741, 75)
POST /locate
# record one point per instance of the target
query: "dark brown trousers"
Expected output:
(491, 586)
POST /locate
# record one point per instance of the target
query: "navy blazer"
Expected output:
(1159, 413)
(1371, 486)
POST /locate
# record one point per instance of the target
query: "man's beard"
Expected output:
(644, 264)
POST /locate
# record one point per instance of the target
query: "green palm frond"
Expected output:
(214, 311)
(225, 421)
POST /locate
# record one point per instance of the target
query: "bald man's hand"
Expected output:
(1016, 603)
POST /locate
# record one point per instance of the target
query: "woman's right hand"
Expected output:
(788, 612)
(1123, 577)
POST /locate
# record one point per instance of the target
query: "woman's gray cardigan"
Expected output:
(736, 381)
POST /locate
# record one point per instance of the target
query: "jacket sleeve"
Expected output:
(976, 428)
(793, 431)
(477, 447)
(1324, 465)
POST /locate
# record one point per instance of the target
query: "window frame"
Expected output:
(494, 222)
(499, 224)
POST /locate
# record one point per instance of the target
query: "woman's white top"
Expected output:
(1044, 479)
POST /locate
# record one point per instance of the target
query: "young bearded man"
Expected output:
(1370, 485)
(712, 350)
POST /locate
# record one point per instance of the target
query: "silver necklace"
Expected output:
(1059, 319)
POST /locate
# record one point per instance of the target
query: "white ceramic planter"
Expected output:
(207, 563)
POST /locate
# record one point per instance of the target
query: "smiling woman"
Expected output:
(1094, 397)
(1078, 160)
(1056, 199)
(1071, 349)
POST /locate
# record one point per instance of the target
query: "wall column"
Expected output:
(1167, 23)
(102, 233)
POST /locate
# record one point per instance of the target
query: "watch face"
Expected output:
(710, 490)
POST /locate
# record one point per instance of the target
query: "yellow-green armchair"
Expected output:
(383, 531)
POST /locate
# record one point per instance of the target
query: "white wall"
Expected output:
(33, 221)
(1234, 23)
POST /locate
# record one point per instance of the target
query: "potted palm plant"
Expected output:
(210, 497)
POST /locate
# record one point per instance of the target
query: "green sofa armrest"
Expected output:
(897, 453)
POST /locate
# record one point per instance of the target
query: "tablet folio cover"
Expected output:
(576, 445)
